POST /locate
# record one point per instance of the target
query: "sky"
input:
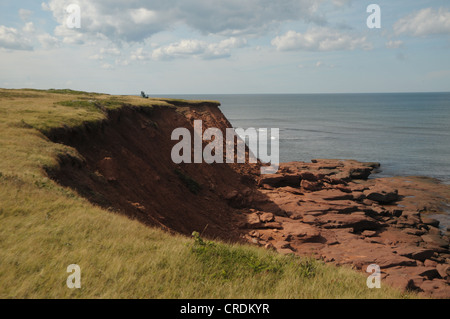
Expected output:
(225, 46)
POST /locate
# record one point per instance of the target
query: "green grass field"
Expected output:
(45, 227)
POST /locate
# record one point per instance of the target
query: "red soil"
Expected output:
(128, 168)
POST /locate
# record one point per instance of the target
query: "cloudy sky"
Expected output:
(226, 46)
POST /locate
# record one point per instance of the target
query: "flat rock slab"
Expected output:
(436, 240)
(358, 221)
(329, 195)
(300, 232)
(416, 253)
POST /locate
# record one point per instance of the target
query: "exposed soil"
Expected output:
(128, 169)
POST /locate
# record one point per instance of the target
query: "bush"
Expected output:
(193, 186)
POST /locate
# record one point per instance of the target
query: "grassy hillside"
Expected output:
(45, 227)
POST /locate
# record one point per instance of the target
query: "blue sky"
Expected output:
(226, 46)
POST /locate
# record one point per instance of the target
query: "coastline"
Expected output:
(329, 209)
(113, 155)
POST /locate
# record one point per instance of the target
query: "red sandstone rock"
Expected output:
(358, 221)
(430, 263)
(382, 195)
(438, 288)
(369, 233)
(430, 221)
(310, 186)
(267, 217)
(416, 253)
(443, 270)
(301, 232)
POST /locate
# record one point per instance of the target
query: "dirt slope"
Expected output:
(128, 168)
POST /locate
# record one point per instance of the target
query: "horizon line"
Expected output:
(273, 93)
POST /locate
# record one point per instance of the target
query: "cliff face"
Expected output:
(128, 169)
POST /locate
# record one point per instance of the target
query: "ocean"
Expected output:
(407, 133)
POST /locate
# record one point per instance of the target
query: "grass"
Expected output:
(46, 227)
(191, 184)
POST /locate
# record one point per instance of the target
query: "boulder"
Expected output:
(358, 221)
(438, 288)
(280, 180)
(369, 233)
(360, 172)
(267, 217)
(435, 240)
(400, 282)
(311, 176)
(430, 221)
(310, 186)
(382, 195)
(252, 221)
(443, 270)
(284, 247)
(387, 261)
(301, 232)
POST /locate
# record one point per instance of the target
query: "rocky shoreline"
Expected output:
(329, 209)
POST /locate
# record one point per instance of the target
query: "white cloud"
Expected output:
(424, 22)
(45, 6)
(11, 38)
(113, 51)
(107, 66)
(140, 55)
(198, 48)
(110, 51)
(96, 57)
(69, 36)
(184, 48)
(47, 41)
(320, 64)
(122, 62)
(25, 14)
(341, 3)
(319, 39)
(223, 48)
(137, 20)
(394, 44)
(143, 16)
(28, 28)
